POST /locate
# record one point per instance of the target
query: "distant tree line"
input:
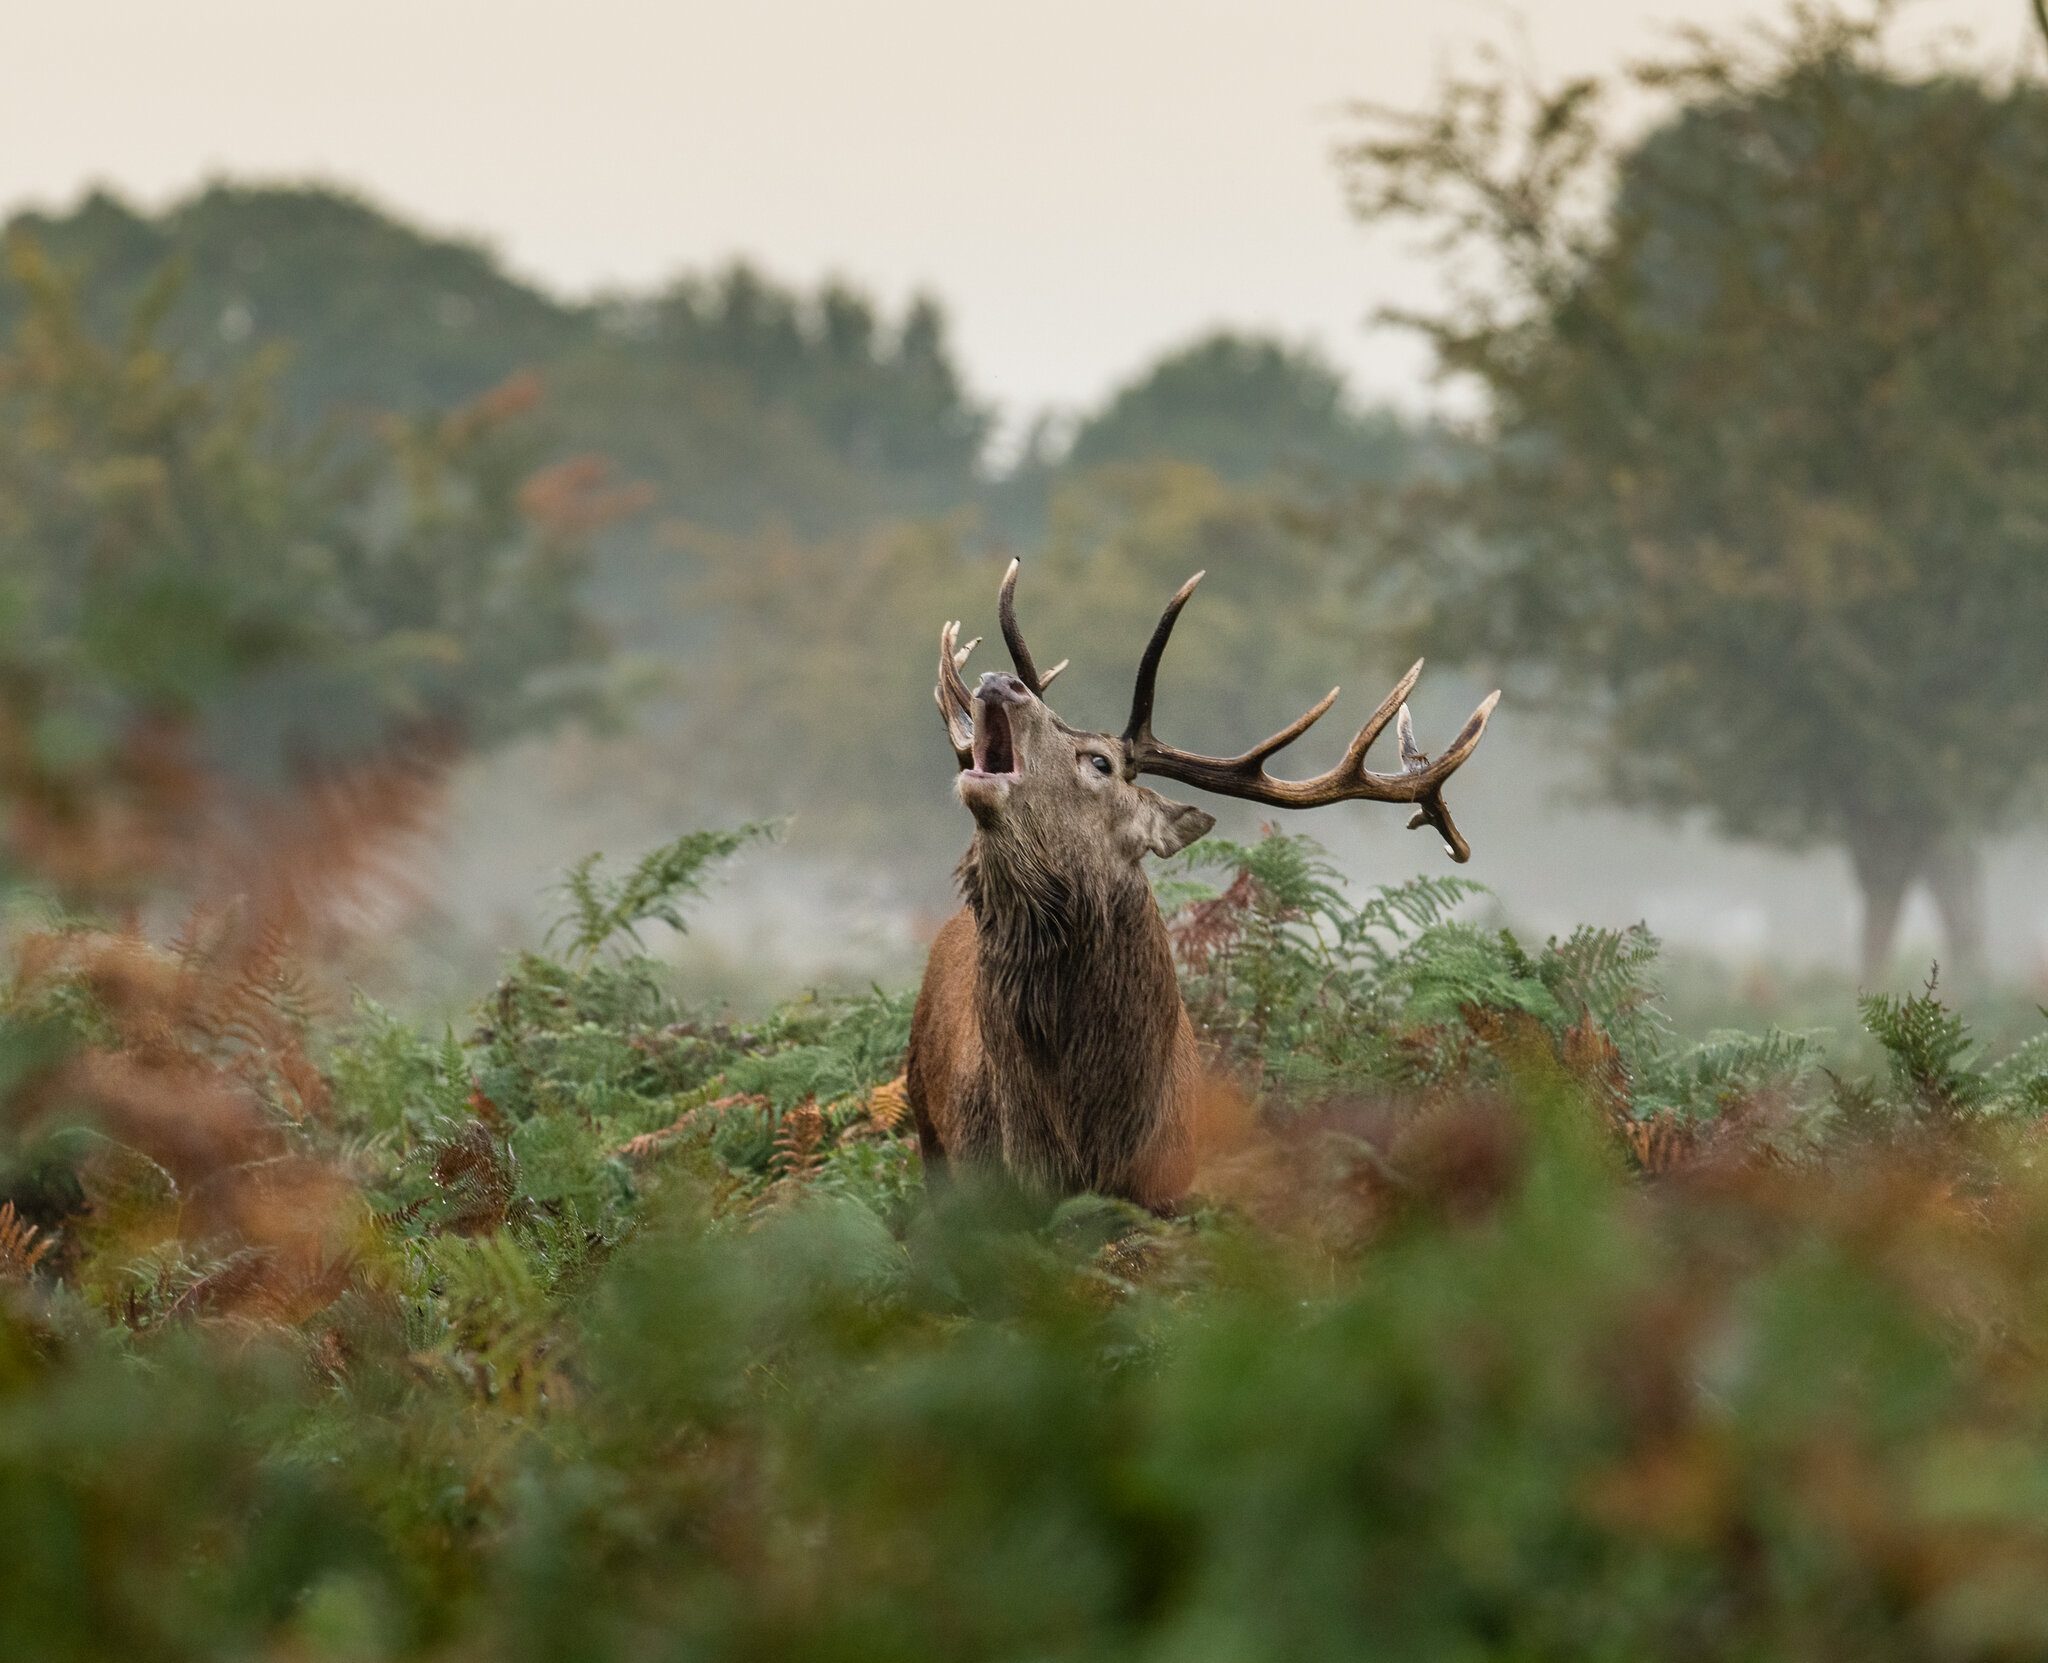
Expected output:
(739, 400)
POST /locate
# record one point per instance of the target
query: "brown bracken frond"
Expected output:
(304, 870)
(889, 1104)
(798, 1141)
(474, 1171)
(96, 835)
(1660, 1143)
(22, 1245)
(649, 1143)
(199, 1068)
(1204, 930)
(1657, 1144)
(1590, 1056)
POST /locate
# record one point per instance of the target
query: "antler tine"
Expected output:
(951, 693)
(1434, 811)
(1139, 727)
(952, 660)
(1020, 654)
(1420, 780)
(1431, 809)
(1394, 704)
(1412, 755)
(1266, 748)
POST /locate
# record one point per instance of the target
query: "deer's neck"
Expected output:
(1079, 1015)
(1075, 979)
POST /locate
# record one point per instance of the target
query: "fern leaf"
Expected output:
(603, 908)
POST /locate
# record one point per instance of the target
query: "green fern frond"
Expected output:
(1454, 966)
(602, 908)
(1933, 1057)
(2018, 1081)
(1727, 1066)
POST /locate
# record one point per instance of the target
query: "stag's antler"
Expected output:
(1420, 781)
(951, 692)
(1020, 655)
(955, 703)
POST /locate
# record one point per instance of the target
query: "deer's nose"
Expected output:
(998, 688)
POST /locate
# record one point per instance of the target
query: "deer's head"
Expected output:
(1027, 777)
(1031, 780)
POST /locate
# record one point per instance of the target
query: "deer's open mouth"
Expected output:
(995, 746)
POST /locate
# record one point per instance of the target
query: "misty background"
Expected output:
(807, 318)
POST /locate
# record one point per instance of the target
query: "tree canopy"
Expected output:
(813, 462)
(1246, 407)
(376, 313)
(1765, 493)
(188, 592)
(743, 401)
(735, 397)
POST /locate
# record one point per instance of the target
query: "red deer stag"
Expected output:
(1049, 1038)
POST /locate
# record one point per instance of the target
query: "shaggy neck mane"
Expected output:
(1055, 939)
(1024, 902)
(1077, 1007)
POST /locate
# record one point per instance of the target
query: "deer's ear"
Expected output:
(1171, 827)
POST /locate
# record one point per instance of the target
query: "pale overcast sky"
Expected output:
(1082, 181)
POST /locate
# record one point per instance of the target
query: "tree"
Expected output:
(743, 402)
(1247, 408)
(190, 596)
(735, 397)
(377, 314)
(1765, 492)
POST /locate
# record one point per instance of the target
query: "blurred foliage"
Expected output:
(1246, 408)
(374, 314)
(746, 403)
(1505, 1324)
(1763, 492)
(737, 399)
(740, 400)
(817, 489)
(886, 398)
(1253, 411)
(186, 591)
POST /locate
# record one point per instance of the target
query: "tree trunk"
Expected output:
(1955, 878)
(1884, 868)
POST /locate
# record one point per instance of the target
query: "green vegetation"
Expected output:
(787, 477)
(1505, 1323)
(187, 593)
(1512, 1316)
(739, 401)
(1247, 408)
(734, 399)
(373, 314)
(1762, 497)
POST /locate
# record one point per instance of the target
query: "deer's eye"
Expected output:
(1100, 763)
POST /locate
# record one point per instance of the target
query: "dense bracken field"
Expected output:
(1505, 1322)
